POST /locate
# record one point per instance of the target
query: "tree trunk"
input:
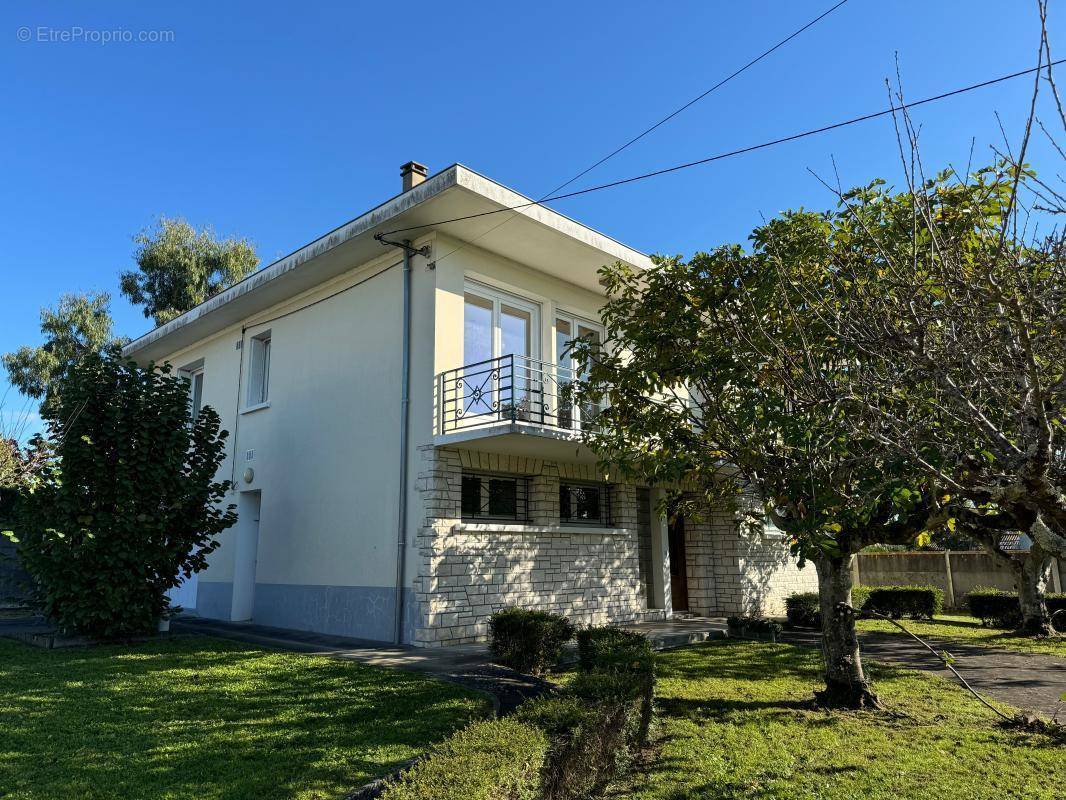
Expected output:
(845, 682)
(1032, 580)
(1031, 573)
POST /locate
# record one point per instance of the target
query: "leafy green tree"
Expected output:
(959, 318)
(79, 325)
(129, 505)
(703, 380)
(178, 267)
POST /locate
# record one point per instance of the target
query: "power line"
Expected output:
(661, 122)
(742, 150)
(695, 100)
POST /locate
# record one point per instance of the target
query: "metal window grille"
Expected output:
(488, 497)
(585, 503)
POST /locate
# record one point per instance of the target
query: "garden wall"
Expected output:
(957, 574)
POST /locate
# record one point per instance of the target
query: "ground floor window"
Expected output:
(585, 503)
(487, 497)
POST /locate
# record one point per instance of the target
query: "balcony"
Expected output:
(514, 405)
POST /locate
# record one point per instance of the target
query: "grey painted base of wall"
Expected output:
(362, 612)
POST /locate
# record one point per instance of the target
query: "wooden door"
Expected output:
(678, 568)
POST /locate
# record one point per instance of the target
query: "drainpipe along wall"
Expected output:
(401, 529)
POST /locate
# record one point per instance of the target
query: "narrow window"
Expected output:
(196, 392)
(584, 504)
(259, 370)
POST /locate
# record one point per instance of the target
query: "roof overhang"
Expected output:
(534, 235)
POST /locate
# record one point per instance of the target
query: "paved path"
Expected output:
(1028, 681)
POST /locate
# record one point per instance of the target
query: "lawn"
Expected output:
(968, 630)
(735, 721)
(204, 718)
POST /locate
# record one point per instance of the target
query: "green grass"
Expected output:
(735, 721)
(204, 718)
(968, 630)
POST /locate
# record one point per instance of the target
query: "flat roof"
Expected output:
(540, 234)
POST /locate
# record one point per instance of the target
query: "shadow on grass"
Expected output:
(196, 717)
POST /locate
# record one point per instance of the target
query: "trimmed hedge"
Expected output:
(592, 741)
(803, 609)
(565, 746)
(753, 627)
(528, 641)
(916, 602)
(999, 609)
(496, 760)
(614, 649)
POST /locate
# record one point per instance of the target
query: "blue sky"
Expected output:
(280, 121)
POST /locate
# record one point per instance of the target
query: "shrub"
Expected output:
(528, 641)
(565, 746)
(754, 626)
(613, 649)
(803, 610)
(999, 609)
(127, 504)
(995, 608)
(591, 742)
(916, 602)
(496, 760)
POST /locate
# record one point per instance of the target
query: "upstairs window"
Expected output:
(259, 370)
(585, 504)
(487, 497)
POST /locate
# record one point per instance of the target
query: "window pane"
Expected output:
(197, 394)
(471, 502)
(588, 503)
(477, 329)
(515, 326)
(562, 342)
(582, 504)
(503, 498)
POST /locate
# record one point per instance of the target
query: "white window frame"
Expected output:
(567, 372)
(258, 392)
(575, 320)
(500, 298)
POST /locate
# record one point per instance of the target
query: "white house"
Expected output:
(403, 457)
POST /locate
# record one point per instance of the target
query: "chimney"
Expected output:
(413, 174)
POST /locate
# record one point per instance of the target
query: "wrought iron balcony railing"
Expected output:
(511, 389)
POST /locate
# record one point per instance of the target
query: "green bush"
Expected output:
(528, 641)
(999, 609)
(127, 504)
(995, 608)
(613, 649)
(592, 741)
(803, 610)
(500, 759)
(916, 602)
(565, 746)
(753, 626)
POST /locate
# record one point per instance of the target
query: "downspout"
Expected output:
(405, 401)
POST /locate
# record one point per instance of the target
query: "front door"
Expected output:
(678, 568)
